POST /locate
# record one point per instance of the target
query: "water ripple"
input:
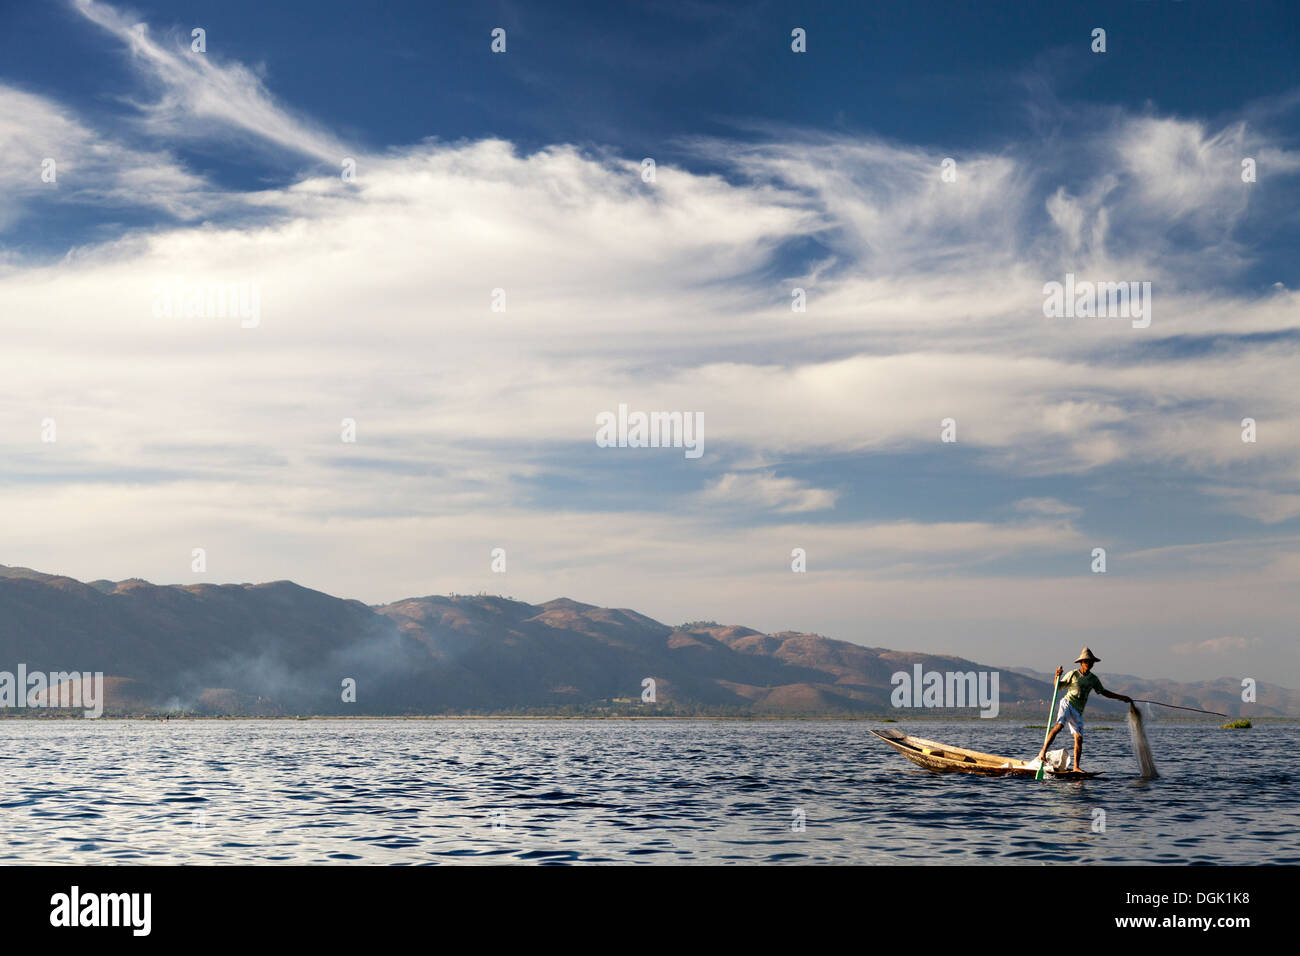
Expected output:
(561, 792)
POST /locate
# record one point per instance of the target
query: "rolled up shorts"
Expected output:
(1069, 718)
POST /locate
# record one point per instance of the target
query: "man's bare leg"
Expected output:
(1056, 729)
(1078, 750)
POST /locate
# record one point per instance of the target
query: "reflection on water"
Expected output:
(392, 791)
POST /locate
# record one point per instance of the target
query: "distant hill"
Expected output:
(1222, 694)
(280, 649)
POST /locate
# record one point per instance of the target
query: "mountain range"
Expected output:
(280, 649)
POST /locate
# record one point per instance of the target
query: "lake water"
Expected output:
(545, 791)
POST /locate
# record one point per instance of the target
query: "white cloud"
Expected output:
(90, 167)
(1051, 507)
(1184, 172)
(767, 491)
(203, 97)
(1215, 645)
(1265, 506)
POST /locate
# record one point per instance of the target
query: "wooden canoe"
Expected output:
(943, 758)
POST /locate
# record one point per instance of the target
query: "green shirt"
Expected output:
(1078, 685)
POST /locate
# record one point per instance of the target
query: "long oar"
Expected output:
(1042, 764)
(1178, 707)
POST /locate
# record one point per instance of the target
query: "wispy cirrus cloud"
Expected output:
(768, 491)
(201, 96)
(1261, 504)
(88, 167)
(1051, 507)
(1216, 645)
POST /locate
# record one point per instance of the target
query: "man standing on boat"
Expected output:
(1077, 685)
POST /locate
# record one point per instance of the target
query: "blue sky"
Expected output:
(775, 170)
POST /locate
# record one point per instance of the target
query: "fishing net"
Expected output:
(1141, 749)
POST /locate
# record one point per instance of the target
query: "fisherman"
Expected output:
(1077, 684)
